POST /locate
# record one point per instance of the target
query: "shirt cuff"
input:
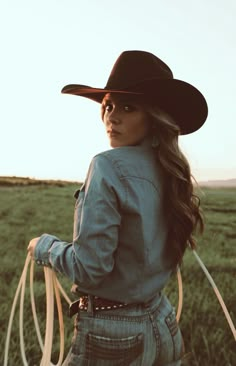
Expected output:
(41, 253)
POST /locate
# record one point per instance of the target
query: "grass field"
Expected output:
(29, 209)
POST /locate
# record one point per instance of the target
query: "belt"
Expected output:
(92, 303)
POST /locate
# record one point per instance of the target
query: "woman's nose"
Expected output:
(113, 118)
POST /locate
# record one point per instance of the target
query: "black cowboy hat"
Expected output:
(142, 73)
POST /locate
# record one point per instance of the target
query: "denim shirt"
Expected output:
(120, 231)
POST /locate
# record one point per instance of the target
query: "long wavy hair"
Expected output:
(181, 204)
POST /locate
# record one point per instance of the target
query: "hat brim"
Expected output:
(185, 103)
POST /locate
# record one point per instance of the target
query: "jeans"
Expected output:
(137, 335)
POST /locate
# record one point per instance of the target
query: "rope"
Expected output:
(180, 287)
(217, 292)
(28, 258)
(53, 288)
(36, 324)
(60, 318)
(21, 317)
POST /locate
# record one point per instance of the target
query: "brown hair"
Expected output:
(181, 204)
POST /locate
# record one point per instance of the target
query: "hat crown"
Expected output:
(135, 67)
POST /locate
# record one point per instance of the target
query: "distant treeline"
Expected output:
(26, 181)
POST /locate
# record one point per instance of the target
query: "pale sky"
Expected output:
(47, 44)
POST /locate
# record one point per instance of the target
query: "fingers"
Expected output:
(32, 245)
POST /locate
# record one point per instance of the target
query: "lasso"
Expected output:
(54, 288)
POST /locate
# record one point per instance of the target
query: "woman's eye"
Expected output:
(128, 108)
(108, 107)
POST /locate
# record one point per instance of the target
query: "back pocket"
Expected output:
(113, 351)
(175, 333)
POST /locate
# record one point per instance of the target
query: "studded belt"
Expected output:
(93, 303)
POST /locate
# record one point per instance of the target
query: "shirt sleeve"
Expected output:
(90, 257)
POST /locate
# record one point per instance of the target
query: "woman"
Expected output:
(134, 217)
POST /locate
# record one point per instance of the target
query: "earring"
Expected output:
(155, 141)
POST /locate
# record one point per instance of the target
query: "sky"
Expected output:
(47, 44)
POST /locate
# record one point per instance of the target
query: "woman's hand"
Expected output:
(32, 245)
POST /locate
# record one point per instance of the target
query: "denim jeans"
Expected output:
(145, 334)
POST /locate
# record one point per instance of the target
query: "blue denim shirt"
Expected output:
(119, 229)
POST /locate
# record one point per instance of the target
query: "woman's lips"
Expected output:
(113, 133)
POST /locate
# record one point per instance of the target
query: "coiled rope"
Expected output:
(54, 289)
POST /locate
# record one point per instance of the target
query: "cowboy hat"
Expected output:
(142, 73)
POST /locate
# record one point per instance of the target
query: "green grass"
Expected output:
(27, 210)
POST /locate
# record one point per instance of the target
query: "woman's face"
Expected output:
(125, 120)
